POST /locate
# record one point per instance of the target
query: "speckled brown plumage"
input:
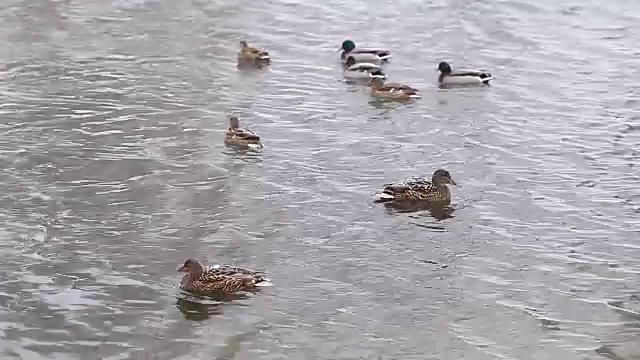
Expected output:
(241, 133)
(252, 56)
(392, 90)
(218, 279)
(419, 189)
(239, 136)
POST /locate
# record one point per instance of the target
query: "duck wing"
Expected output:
(243, 133)
(411, 190)
(231, 270)
(376, 51)
(260, 53)
(210, 282)
(252, 50)
(247, 132)
(414, 184)
(363, 66)
(399, 87)
(255, 54)
(470, 72)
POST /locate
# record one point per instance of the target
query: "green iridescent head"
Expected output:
(348, 45)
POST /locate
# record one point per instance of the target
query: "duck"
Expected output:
(419, 189)
(448, 76)
(226, 279)
(239, 136)
(392, 91)
(364, 71)
(252, 56)
(351, 55)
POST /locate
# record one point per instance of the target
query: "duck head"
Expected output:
(192, 267)
(444, 67)
(347, 46)
(442, 177)
(234, 122)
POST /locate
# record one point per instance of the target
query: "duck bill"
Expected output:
(452, 182)
(181, 269)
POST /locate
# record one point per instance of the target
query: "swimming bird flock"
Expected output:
(358, 64)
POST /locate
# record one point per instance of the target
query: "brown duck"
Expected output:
(249, 56)
(392, 91)
(239, 136)
(218, 278)
(419, 189)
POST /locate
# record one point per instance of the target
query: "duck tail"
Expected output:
(262, 282)
(384, 197)
(384, 56)
(251, 281)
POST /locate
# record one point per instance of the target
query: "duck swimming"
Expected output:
(250, 56)
(419, 189)
(238, 136)
(364, 71)
(351, 55)
(218, 278)
(448, 76)
(392, 91)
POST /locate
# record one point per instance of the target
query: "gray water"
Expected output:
(113, 172)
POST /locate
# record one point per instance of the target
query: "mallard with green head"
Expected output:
(448, 76)
(227, 279)
(419, 189)
(239, 136)
(392, 91)
(351, 55)
(250, 56)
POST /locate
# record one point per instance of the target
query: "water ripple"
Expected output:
(114, 172)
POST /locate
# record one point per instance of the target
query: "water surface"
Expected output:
(113, 172)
